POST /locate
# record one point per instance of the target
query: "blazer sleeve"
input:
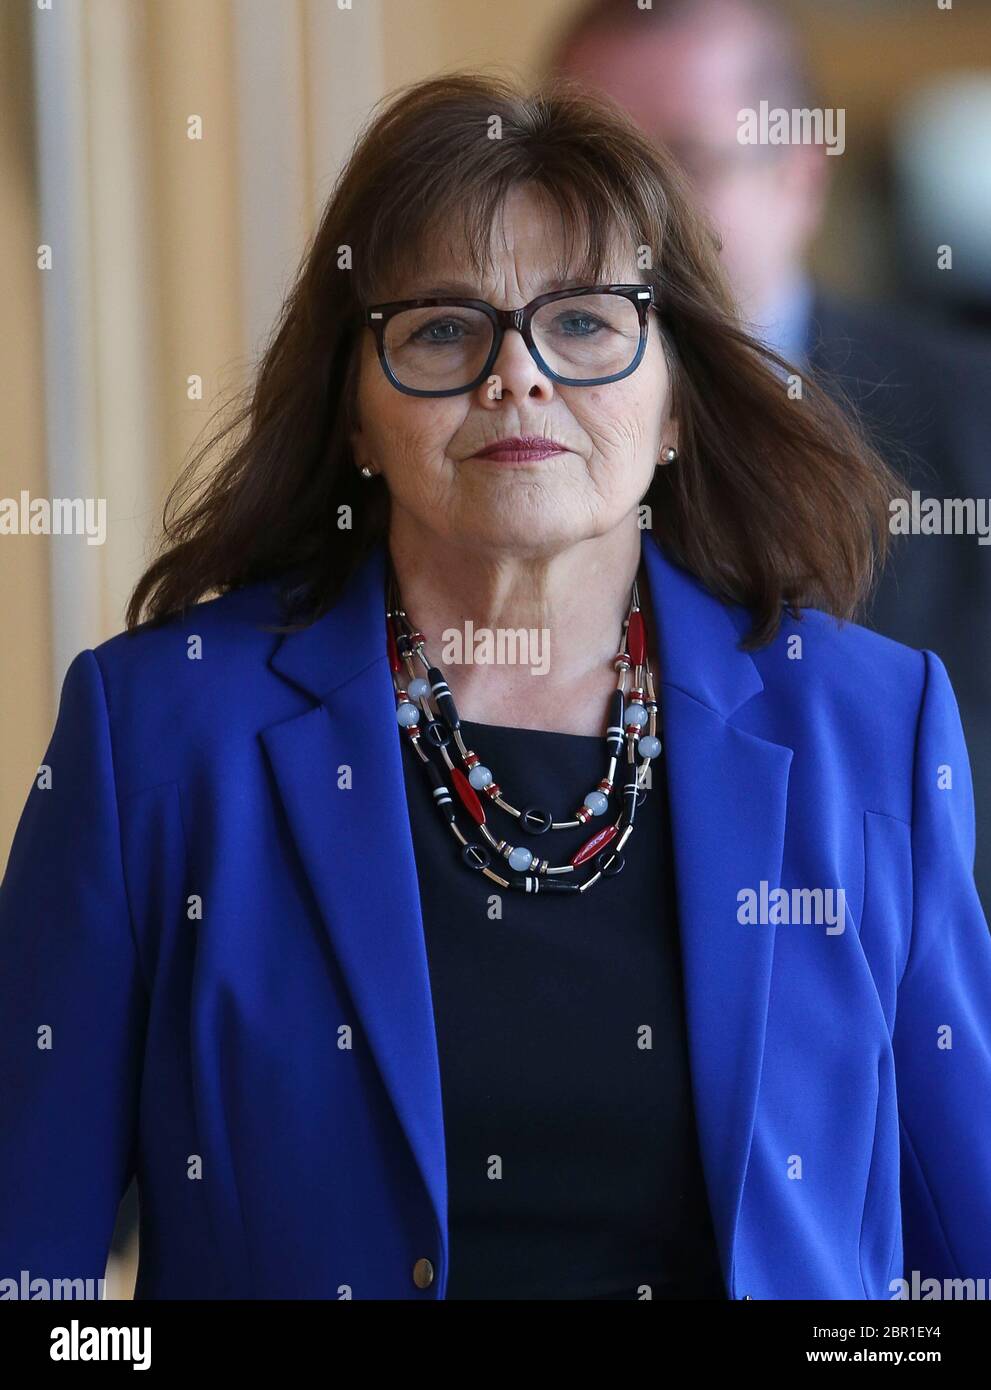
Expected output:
(942, 1034)
(72, 1005)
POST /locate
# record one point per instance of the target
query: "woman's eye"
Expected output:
(579, 325)
(440, 331)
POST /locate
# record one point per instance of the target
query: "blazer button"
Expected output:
(746, 1296)
(423, 1274)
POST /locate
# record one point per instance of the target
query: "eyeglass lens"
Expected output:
(584, 337)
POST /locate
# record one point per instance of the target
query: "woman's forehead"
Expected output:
(432, 275)
(544, 254)
(424, 285)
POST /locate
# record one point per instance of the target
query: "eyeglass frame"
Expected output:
(376, 316)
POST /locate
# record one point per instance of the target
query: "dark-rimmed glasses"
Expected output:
(584, 336)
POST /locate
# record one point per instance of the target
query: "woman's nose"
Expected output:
(515, 370)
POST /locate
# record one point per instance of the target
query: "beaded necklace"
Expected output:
(528, 873)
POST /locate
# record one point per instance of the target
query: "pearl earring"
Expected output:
(366, 472)
(670, 454)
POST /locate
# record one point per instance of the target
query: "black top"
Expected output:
(573, 1165)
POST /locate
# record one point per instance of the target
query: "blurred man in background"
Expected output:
(685, 70)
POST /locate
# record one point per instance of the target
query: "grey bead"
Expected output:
(636, 714)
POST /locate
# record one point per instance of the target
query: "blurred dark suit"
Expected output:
(924, 393)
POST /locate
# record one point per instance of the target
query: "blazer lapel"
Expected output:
(357, 850)
(728, 792)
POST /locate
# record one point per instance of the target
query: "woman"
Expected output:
(513, 882)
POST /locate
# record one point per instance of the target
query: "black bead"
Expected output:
(443, 698)
(476, 857)
(609, 863)
(441, 796)
(535, 821)
(614, 741)
(542, 883)
(436, 733)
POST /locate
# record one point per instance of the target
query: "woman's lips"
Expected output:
(515, 453)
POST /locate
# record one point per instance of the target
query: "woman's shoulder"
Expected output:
(813, 654)
(235, 622)
(830, 657)
(197, 682)
(854, 684)
(847, 649)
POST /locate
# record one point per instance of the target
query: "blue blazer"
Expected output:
(213, 969)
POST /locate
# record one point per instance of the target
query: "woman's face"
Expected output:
(426, 447)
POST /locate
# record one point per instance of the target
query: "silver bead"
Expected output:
(407, 714)
(597, 802)
(480, 777)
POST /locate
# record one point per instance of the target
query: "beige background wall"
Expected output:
(25, 669)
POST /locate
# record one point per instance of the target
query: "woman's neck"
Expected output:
(525, 640)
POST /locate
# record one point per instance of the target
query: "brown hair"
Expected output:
(772, 502)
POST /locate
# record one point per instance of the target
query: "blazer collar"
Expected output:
(358, 856)
(345, 640)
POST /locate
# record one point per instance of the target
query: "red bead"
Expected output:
(394, 661)
(636, 638)
(466, 792)
(593, 845)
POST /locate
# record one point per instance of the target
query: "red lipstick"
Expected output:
(521, 449)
